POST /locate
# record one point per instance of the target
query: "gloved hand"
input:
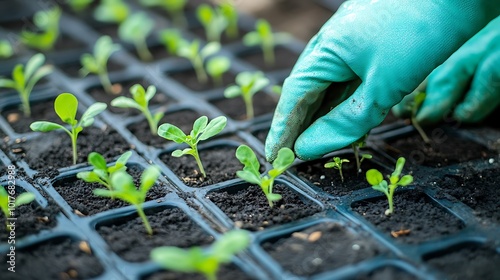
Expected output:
(469, 78)
(382, 50)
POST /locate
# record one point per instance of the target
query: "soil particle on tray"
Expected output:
(171, 227)
(55, 259)
(80, 196)
(235, 107)
(321, 248)
(249, 208)
(226, 272)
(40, 111)
(189, 79)
(284, 59)
(416, 218)
(385, 273)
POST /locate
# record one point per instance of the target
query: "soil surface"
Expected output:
(40, 111)
(250, 210)
(188, 79)
(235, 107)
(55, 259)
(284, 59)
(385, 273)
(171, 227)
(320, 248)
(416, 218)
(79, 194)
(226, 272)
(261, 135)
(224, 39)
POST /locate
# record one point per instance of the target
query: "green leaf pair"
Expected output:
(213, 20)
(47, 23)
(135, 29)
(102, 173)
(6, 49)
(337, 164)
(264, 37)
(21, 199)
(247, 85)
(112, 11)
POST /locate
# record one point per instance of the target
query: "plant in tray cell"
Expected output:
(140, 102)
(78, 5)
(47, 24)
(175, 8)
(202, 130)
(135, 29)
(172, 39)
(111, 11)
(197, 56)
(414, 105)
(247, 84)
(6, 49)
(97, 63)
(101, 173)
(376, 179)
(125, 189)
(8, 202)
(356, 146)
(264, 37)
(337, 164)
(24, 78)
(213, 21)
(251, 173)
(66, 107)
(228, 10)
(199, 260)
(216, 67)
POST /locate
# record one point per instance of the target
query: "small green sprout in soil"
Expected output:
(8, 202)
(197, 56)
(66, 107)
(102, 173)
(356, 146)
(337, 164)
(125, 189)
(97, 63)
(24, 78)
(171, 38)
(202, 130)
(277, 89)
(251, 173)
(228, 10)
(175, 8)
(6, 49)
(216, 67)
(213, 21)
(135, 29)
(376, 179)
(79, 5)
(47, 24)
(112, 11)
(264, 37)
(140, 102)
(199, 260)
(247, 84)
(414, 105)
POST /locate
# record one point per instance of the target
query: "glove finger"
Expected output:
(484, 94)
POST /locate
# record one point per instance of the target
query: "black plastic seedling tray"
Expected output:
(446, 225)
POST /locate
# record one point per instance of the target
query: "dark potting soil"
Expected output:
(235, 107)
(386, 272)
(220, 164)
(321, 248)
(157, 51)
(478, 190)
(226, 272)
(109, 29)
(445, 149)
(478, 263)
(40, 111)
(224, 39)
(416, 218)
(55, 259)
(171, 227)
(80, 196)
(182, 119)
(53, 150)
(73, 69)
(261, 135)
(284, 59)
(188, 79)
(249, 208)
(65, 43)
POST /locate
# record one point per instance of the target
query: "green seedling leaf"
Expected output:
(21, 199)
(198, 56)
(171, 132)
(96, 63)
(47, 24)
(337, 164)
(66, 107)
(112, 11)
(135, 29)
(79, 5)
(374, 177)
(6, 49)
(212, 20)
(356, 146)
(247, 85)
(213, 128)
(267, 40)
(216, 67)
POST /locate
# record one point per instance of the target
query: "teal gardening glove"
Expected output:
(469, 80)
(369, 55)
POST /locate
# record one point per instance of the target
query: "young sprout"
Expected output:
(102, 173)
(140, 102)
(172, 40)
(78, 5)
(47, 23)
(97, 63)
(197, 57)
(360, 143)
(264, 36)
(25, 78)
(125, 189)
(337, 164)
(66, 107)
(6, 49)
(204, 261)
(229, 12)
(112, 11)
(247, 84)
(414, 106)
(202, 130)
(277, 89)
(251, 173)
(175, 8)
(135, 29)
(7, 201)
(376, 179)
(212, 20)
(216, 67)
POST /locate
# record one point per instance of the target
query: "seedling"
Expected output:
(360, 143)
(125, 189)
(78, 5)
(102, 173)
(247, 84)
(197, 57)
(66, 107)
(6, 49)
(337, 164)
(199, 260)
(8, 203)
(202, 130)
(47, 24)
(172, 40)
(212, 20)
(414, 105)
(264, 36)
(277, 89)
(376, 179)
(229, 12)
(135, 29)
(25, 78)
(216, 67)
(112, 11)
(140, 102)
(175, 8)
(251, 173)
(97, 63)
